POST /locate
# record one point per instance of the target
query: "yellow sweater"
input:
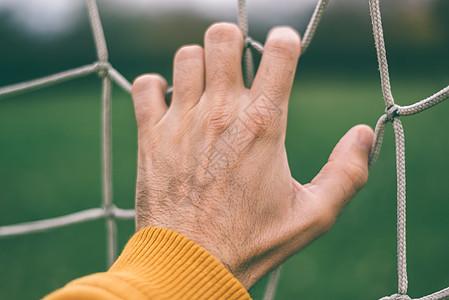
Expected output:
(157, 264)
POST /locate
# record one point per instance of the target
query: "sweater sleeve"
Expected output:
(157, 264)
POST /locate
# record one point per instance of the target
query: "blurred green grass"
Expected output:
(50, 165)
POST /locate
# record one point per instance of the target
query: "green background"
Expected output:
(50, 165)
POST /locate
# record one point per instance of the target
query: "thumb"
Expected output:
(346, 171)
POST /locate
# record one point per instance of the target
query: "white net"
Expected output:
(392, 113)
(108, 75)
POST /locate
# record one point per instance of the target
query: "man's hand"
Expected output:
(213, 166)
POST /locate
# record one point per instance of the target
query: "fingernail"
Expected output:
(365, 140)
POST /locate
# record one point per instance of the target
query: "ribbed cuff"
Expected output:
(163, 264)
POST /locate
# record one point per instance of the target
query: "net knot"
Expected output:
(109, 211)
(246, 42)
(396, 297)
(392, 112)
(250, 42)
(103, 68)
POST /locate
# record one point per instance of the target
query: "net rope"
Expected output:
(392, 113)
(108, 74)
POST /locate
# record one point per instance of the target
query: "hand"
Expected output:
(213, 166)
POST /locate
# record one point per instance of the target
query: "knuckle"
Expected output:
(189, 92)
(224, 77)
(279, 86)
(356, 174)
(263, 115)
(223, 32)
(219, 118)
(261, 123)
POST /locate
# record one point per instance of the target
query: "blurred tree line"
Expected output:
(417, 39)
